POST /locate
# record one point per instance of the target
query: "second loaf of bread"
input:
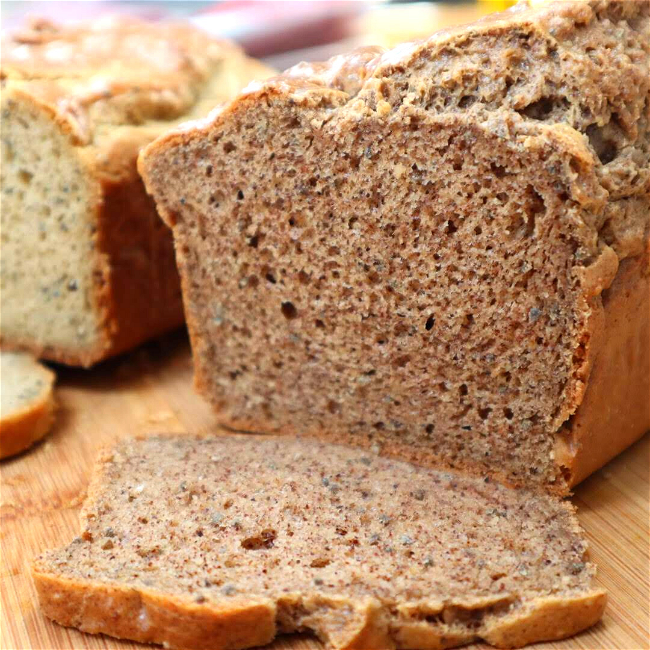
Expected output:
(87, 266)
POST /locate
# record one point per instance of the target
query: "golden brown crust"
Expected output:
(615, 409)
(140, 296)
(117, 62)
(149, 617)
(19, 431)
(111, 97)
(550, 619)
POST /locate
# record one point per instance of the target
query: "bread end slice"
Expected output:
(27, 402)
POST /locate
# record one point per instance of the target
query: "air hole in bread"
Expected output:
(484, 413)
(602, 139)
(264, 540)
(288, 309)
(451, 227)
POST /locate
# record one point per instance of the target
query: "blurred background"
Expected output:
(283, 32)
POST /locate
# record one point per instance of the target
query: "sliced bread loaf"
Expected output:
(226, 542)
(87, 267)
(439, 249)
(26, 402)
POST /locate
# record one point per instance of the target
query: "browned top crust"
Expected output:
(118, 71)
(112, 56)
(556, 22)
(135, 49)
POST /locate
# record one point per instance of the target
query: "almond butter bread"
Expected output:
(226, 542)
(440, 249)
(26, 401)
(87, 267)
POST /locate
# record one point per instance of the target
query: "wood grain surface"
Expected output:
(150, 390)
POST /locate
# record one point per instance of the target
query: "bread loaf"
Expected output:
(226, 542)
(26, 402)
(87, 267)
(439, 249)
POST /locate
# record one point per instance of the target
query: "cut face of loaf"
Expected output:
(408, 249)
(48, 234)
(226, 542)
(87, 267)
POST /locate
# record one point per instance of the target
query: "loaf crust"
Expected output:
(613, 194)
(22, 427)
(96, 608)
(109, 609)
(110, 97)
(617, 396)
(342, 618)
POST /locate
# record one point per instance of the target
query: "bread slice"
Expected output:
(26, 401)
(416, 248)
(226, 542)
(87, 267)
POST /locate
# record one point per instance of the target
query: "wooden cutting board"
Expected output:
(150, 390)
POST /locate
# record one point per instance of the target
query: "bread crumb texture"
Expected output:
(226, 542)
(407, 248)
(26, 402)
(87, 268)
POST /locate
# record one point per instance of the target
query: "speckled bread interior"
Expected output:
(226, 542)
(87, 267)
(408, 249)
